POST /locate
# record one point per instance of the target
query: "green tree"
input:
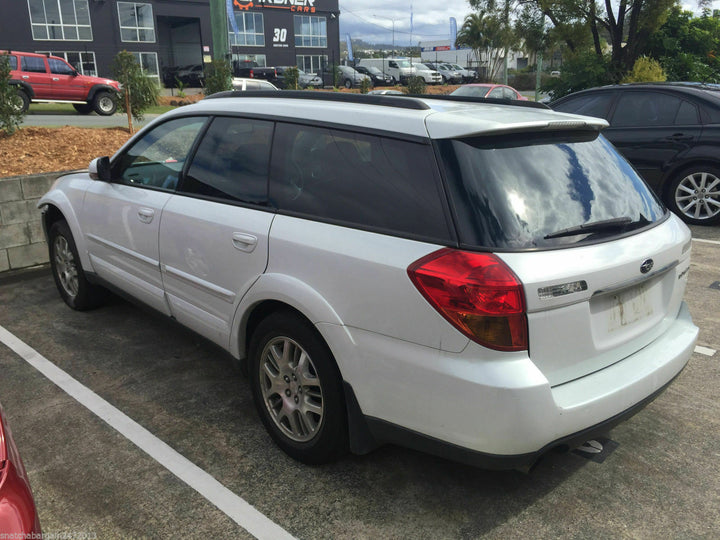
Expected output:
(218, 77)
(486, 33)
(645, 70)
(138, 92)
(580, 71)
(11, 105)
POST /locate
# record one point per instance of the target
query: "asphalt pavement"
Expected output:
(93, 474)
(81, 120)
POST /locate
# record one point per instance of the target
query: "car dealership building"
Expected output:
(170, 35)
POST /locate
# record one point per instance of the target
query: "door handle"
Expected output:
(26, 76)
(146, 215)
(55, 78)
(244, 242)
(679, 137)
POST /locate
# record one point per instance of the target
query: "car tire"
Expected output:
(348, 83)
(83, 108)
(74, 288)
(297, 389)
(105, 104)
(23, 101)
(694, 195)
(393, 81)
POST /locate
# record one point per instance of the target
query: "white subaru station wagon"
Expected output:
(478, 279)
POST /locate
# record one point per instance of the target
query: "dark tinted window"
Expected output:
(365, 180)
(645, 109)
(509, 192)
(231, 162)
(597, 105)
(13, 62)
(59, 67)
(687, 115)
(157, 159)
(34, 64)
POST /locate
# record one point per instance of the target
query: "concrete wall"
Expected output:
(22, 242)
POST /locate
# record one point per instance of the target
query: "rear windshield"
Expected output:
(534, 191)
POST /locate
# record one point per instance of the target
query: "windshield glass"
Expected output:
(403, 63)
(514, 192)
(374, 71)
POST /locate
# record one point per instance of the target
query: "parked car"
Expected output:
(18, 515)
(41, 78)
(241, 84)
(449, 74)
(399, 69)
(191, 75)
(305, 80)
(378, 77)
(249, 69)
(348, 77)
(670, 132)
(481, 281)
(468, 75)
(429, 75)
(488, 90)
(386, 92)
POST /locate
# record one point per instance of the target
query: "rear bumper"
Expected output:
(496, 409)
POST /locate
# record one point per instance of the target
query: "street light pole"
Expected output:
(393, 30)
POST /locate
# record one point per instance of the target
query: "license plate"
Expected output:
(629, 307)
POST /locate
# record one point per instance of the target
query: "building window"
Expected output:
(311, 63)
(250, 29)
(310, 31)
(259, 59)
(149, 63)
(60, 20)
(136, 22)
(83, 62)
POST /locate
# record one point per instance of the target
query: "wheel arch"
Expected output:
(100, 88)
(25, 87)
(55, 206)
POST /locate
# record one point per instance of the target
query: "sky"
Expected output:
(370, 20)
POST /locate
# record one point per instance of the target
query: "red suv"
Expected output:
(44, 78)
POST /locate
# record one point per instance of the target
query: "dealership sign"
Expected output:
(300, 6)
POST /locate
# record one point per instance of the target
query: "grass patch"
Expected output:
(66, 108)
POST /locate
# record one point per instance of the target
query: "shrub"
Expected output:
(364, 86)
(579, 72)
(645, 70)
(218, 77)
(11, 113)
(291, 76)
(416, 85)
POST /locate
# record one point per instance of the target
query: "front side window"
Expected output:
(522, 191)
(372, 182)
(231, 163)
(59, 67)
(595, 104)
(62, 20)
(251, 31)
(136, 22)
(157, 159)
(310, 31)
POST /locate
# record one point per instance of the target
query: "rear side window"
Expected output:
(597, 105)
(13, 62)
(687, 115)
(364, 180)
(33, 64)
(642, 109)
(512, 192)
(231, 162)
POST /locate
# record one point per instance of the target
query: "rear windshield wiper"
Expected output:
(596, 226)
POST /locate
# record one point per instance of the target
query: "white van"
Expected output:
(399, 69)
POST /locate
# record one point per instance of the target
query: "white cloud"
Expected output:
(372, 20)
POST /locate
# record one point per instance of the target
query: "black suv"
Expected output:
(670, 132)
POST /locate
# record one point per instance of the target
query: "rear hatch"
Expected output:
(602, 264)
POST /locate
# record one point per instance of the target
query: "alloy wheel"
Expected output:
(698, 195)
(66, 266)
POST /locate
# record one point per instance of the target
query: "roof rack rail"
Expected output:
(472, 99)
(400, 102)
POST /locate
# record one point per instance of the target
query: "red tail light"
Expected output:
(477, 293)
(252, 74)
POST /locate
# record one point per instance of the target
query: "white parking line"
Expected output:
(704, 350)
(236, 508)
(706, 241)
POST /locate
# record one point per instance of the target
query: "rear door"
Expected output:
(34, 71)
(214, 233)
(121, 218)
(653, 129)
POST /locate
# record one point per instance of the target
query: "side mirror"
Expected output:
(99, 169)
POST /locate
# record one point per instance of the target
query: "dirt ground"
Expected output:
(33, 150)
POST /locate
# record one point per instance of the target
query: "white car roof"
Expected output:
(429, 117)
